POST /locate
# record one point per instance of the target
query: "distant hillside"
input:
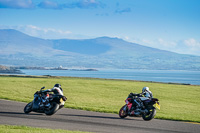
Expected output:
(22, 50)
(5, 69)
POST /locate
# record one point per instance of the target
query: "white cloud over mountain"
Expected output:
(188, 46)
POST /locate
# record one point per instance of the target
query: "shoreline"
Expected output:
(49, 76)
(11, 72)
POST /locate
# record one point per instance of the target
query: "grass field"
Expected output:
(25, 129)
(178, 102)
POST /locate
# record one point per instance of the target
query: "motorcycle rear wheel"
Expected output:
(150, 115)
(54, 108)
(123, 113)
(28, 108)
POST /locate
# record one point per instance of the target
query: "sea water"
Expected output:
(166, 76)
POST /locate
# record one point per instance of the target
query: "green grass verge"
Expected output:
(178, 102)
(25, 129)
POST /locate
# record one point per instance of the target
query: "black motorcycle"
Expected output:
(52, 105)
(137, 106)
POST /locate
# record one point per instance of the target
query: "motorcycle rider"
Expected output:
(57, 90)
(136, 102)
(147, 93)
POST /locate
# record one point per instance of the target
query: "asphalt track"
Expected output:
(11, 113)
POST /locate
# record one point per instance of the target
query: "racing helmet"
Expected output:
(145, 89)
(57, 85)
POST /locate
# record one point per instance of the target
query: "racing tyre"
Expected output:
(28, 108)
(150, 115)
(53, 109)
(123, 112)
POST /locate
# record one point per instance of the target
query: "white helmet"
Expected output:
(145, 89)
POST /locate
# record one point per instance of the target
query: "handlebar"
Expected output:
(134, 94)
(42, 87)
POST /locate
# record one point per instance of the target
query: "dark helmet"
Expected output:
(57, 85)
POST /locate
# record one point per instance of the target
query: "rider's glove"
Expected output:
(131, 94)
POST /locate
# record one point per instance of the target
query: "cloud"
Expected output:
(84, 4)
(192, 43)
(188, 46)
(45, 33)
(159, 43)
(125, 10)
(49, 5)
(166, 44)
(192, 46)
(17, 4)
(90, 4)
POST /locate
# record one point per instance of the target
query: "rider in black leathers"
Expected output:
(57, 90)
(145, 92)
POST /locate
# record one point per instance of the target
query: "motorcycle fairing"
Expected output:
(36, 106)
(129, 104)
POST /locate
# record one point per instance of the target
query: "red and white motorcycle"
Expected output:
(138, 106)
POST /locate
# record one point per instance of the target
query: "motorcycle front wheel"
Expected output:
(150, 115)
(123, 112)
(54, 107)
(28, 108)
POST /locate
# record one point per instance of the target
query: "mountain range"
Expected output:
(19, 49)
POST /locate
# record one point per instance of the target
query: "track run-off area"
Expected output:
(11, 113)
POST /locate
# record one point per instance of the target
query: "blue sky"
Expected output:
(172, 25)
